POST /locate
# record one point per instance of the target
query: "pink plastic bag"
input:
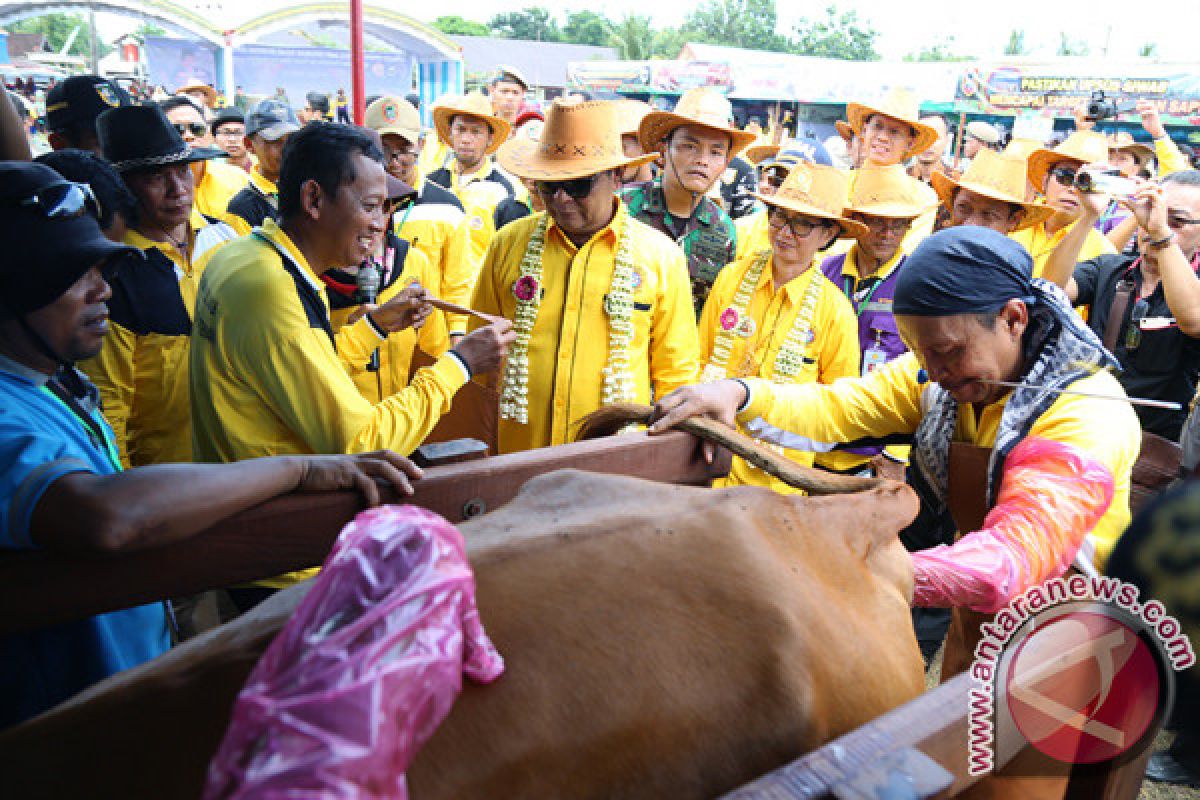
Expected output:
(364, 672)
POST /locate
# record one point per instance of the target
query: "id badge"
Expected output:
(873, 359)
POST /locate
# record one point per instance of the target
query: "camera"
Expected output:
(1101, 106)
(1104, 181)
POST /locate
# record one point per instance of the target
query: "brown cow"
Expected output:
(661, 641)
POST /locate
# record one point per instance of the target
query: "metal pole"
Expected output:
(94, 55)
(357, 69)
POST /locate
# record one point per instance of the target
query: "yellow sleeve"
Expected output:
(841, 355)
(113, 373)
(356, 343)
(1170, 159)
(459, 271)
(237, 223)
(888, 401)
(674, 345)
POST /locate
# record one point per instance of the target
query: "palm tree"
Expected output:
(633, 37)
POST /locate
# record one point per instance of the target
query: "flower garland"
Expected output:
(735, 321)
(618, 384)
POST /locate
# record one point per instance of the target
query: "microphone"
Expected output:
(366, 286)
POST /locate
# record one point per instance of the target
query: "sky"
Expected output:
(968, 28)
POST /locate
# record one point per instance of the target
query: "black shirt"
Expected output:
(1163, 363)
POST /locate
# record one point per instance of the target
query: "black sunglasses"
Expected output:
(1064, 175)
(577, 188)
(63, 200)
(197, 128)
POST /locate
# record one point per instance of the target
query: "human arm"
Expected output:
(14, 144)
(1121, 234)
(83, 512)
(841, 354)
(1170, 159)
(1060, 264)
(1180, 285)
(113, 370)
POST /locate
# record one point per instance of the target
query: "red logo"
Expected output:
(1084, 687)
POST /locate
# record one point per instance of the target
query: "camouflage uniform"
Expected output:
(708, 237)
(739, 182)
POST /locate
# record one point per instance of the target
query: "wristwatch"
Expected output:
(1160, 244)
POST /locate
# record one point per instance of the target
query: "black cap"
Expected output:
(80, 99)
(141, 137)
(228, 114)
(41, 257)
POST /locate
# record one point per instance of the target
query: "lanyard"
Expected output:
(95, 431)
(850, 294)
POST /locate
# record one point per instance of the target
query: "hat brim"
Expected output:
(273, 133)
(889, 210)
(1142, 153)
(1033, 213)
(526, 159)
(407, 134)
(187, 156)
(758, 153)
(848, 228)
(1041, 161)
(857, 114)
(209, 92)
(656, 125)
(499, 127)
(72, 257)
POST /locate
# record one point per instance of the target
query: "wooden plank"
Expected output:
(296, 531)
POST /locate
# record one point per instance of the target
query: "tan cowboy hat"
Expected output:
(844, 130)
(580, 138)
(196, 85)
(703, 107)
(630, 114)
(472, 104)
(899, 104)
(396, 116)
(818, 191)
(1021, 148)
(886, 192)
(1123, 140)
(1082, 147)
(757, 153)
(984, 132)
(996, 175)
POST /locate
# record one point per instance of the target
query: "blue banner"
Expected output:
(262, 70)
(171, 63)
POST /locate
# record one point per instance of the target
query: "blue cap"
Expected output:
(271, 119)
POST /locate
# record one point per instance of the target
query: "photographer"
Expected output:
(1145, 307)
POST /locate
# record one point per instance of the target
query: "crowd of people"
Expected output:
(204, 305)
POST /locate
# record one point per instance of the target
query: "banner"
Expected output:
(171, 63)
(1058, 90)
(261, 70)
(648, 77)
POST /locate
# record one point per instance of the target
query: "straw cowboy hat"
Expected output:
(1082, 147)
(817, 191)
(984, 132)
(580, 138)
(630, 114)
(1123, 140)
(996, 175)
(702, 107)
(843, 129)
(1021, 148)
(886, 192)
(196, 85)
(473, 104)
(757, 153)
(899, 104)
(395, 116)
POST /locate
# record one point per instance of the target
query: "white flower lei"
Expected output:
(618, 304)
(734, 320)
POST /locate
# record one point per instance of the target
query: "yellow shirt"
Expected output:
(434, 155)
(442, 233)
(1170, 159)
(219, 183)
(266, 378)
(1041, 244)
(751, 234)
(568, 347)
(395, 355)
(832, 354)
(142, 368)
(888, 401)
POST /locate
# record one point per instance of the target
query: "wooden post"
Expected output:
(357, 67)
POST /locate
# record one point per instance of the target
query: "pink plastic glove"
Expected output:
(1051, 496)
(364, 672)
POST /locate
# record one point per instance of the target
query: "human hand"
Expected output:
(484, 348)
(1151, 122)
(1149, 208)
(409, 308)
(365, 472)
(719, 401)
(1082, 123)
(1092, 204)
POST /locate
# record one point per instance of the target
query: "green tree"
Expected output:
(941, 51)
(1071, 47)
(1016, 43)
(588, 27)
(1148, 50)
(148, 29)
(668, 42)
(533, 24)
(838, 35)
(738, 23)
(458, 26)
(633, 37)
(57, 29)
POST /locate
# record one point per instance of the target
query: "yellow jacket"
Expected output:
(833, 353)
(438, 227)
(480, 193)
(266, 378)
(142, 368)
(1041, 244)
(888, 401)
(216, 187)
(1170, 159)
(569, 344)
(395, 354)
(751, 234)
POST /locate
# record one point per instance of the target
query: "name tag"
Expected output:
(884, 306)
(873, 359)
(1156, 323)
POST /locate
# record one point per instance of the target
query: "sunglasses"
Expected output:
(1178, 221)
(885, 224)
(64, 201)
(576, 189)
(196, 128)
(399, 155)
(1064, 175)
(799, 226)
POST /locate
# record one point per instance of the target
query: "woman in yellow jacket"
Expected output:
(773, 314)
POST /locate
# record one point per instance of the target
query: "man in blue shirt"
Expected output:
(61, 484)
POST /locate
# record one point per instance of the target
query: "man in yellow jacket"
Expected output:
(216, 182)
(601, 302)
(773, 315)
(141, 371)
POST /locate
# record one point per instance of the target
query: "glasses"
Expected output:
(63, 200)
(576, 188)
(196, 128)
(399, 155)
(1178, 221)
(236, 133)
(885, 225)
(800, 226)
(1064, 175)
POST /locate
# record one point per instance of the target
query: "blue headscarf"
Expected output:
(963, 270)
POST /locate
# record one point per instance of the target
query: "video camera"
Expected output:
(1102, 107)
